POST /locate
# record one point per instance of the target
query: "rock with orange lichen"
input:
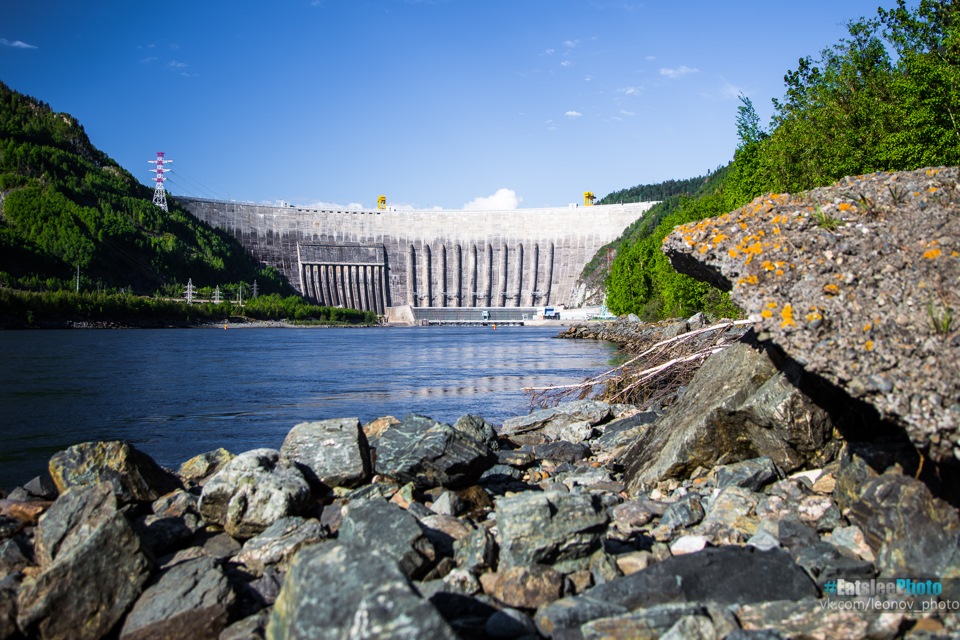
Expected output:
(859, 282)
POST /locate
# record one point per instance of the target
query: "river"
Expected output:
(175, 393)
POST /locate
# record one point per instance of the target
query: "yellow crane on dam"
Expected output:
(588, 198)
(382, 202)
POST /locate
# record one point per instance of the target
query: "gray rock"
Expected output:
(738, 406)
(477, 551)
(516, 458)
(93, 568)
(479, 429)
(750, 474)
(649, 622)
(330, 453)
(824, 562)
(381, 525)
(198, 468)
(161, 535)
(42, 487)
(9, 526)
(509, 623)
(590, 411)
(8, 606)
(133, 474)
(911, 533)
(252, 491)
(725, 575)
(253, 627)
(448, 504)
(549, 527)
(191, 599)
(623, 430)
(430, 454)
(278, 542)
(334, 591)
(685, 512)
(15, 554)
(561, 451)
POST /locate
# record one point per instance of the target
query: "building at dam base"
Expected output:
(375, 259)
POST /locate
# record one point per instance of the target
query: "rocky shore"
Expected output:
(797, 485)
(732, 514)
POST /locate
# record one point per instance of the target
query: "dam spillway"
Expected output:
(374, 259)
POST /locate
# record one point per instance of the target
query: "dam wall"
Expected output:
(373, 259)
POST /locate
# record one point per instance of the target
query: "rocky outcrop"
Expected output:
(858, 283)
(738, 406)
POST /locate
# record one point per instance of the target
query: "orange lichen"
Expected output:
(767, 265)
(703, 248)
(930, 254)
(868, 345)
(831, 289)
(771, 305)
(843, 206)
(733, 253)
(787, 315)
(867, 327)
(766, 313)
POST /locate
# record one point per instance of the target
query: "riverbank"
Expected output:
(736, 509)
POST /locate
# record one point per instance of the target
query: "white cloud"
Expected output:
(570, 44)
(176, 64)
(678, 72)
(587, 78)
(16, 44)
(573, 114)
(630, 91)
(549, 51)
(650, 58)
(731, 90)
(624, 112)
(565, 63)
(502, 199)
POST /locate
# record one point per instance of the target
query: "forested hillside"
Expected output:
(651, 192)
(885, 98)
(64, 204)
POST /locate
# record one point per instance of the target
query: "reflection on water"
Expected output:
(176, 393)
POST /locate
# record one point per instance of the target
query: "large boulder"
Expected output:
(339, 591)
(549, 527)
(858, 283)
(192, 599)
(92, 566)
(725, 575)
(252, 491)
(133, 474)
(431, 454)
(330, 453)
(279, 542)
(738, 406)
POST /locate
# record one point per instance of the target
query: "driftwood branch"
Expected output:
(651, 376)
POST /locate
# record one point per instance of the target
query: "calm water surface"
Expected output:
(177, 393)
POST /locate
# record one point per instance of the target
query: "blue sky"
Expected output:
(434, 103)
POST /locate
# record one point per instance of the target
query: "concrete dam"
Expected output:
(374, 259)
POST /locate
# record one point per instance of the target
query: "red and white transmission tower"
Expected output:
(159, 195)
